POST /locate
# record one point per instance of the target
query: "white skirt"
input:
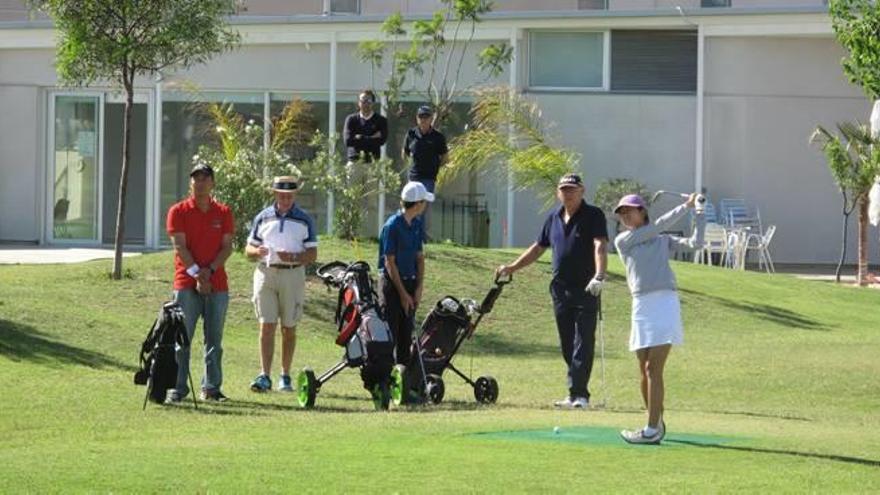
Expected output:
(656, 320)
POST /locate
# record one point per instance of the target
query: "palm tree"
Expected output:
(505, 126)
(853, 156)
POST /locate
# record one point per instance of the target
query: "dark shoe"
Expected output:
(261, 383)
(214, 395)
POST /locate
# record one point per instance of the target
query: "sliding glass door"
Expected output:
(75, 167)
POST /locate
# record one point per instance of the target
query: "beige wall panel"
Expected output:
(283, 7)
(273, 67)
(28, 67)
(775, 66)
(19, 146)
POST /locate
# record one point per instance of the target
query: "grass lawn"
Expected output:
(775, 390)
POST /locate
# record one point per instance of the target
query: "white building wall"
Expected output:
(764, 98)
(20, 192)
(650, 138)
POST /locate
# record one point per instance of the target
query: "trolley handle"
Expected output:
(503, 279)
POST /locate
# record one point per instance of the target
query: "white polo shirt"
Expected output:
(293, 232)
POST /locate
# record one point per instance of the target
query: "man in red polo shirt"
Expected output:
(201, 232)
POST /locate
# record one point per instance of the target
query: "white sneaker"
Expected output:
(639, 437)
(566, 403)
(580, 403)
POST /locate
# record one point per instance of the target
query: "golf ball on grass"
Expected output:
(556, 430)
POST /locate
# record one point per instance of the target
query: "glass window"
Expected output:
(592, 4)
(715, 3)
(313, 202)
(566, 59)
(654, 61)
(345, 6)
(185, 127)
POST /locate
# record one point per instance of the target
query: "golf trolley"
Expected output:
(443, 331)
(363, 334)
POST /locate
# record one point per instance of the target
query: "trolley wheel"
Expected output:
(398, 386)
(486, 390)
(381, 394)
(306, 388)
(435, 389)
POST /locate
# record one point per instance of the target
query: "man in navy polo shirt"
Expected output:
(426, 147)
(402, 265)
(578, 235)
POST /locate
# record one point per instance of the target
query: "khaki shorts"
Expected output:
(279, 292)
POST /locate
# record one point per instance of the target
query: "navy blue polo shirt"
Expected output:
(574, 261)
(403, 241)
(425, 150)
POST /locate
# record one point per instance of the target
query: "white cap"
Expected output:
(414, 192)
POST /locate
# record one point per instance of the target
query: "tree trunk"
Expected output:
(128, 83)
(842, 243)
(862, 277)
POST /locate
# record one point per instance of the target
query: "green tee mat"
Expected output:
(599, 435)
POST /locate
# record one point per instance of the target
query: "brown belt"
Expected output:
(284, 267)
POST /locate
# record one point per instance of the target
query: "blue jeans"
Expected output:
(212, 310)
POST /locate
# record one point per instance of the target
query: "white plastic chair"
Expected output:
(761, 244)
(714, 242)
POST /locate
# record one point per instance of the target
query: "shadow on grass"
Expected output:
(493, 343)
(794, 453)
(773, 314)
(25, 343)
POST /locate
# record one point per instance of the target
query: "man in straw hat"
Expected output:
(283, 240)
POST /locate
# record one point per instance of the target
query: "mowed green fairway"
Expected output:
(775, 390)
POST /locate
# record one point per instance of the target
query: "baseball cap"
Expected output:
(284, 183)
(414, 192)
(570, 180)
(202, 168)
(633, 200)
(424, 110)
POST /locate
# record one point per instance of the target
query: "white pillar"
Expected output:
(698, 158)
(267, 121)
(380, 212)
(511, 197)
(154, 180)
(331, 126)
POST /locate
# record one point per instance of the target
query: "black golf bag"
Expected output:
(362, 330)
(363, 333)
(158, 360)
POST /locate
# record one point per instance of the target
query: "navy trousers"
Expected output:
(576, 311)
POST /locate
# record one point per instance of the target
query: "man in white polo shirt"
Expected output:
(283, 240)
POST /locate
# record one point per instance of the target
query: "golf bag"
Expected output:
(362, 331)
(158, 360)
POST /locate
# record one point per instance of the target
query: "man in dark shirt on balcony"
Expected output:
(366, 131)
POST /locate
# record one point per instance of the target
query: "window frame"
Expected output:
(606, 62)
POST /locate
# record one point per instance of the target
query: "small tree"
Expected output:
(854, 160)
(244, 167)
(351, 184)
(609, 192)
(117, 40)
(431, 53)
(856, 24)
(506, 127)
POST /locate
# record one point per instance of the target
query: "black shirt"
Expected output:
(574, 262)
(425, 151)
(371, 147)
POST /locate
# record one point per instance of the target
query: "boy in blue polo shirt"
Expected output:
(402, 265)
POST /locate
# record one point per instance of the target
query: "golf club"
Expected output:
(602, 356)
(700, 202)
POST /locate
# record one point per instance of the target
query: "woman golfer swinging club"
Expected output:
(656, 312)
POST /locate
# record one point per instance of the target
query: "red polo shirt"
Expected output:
(204, 239)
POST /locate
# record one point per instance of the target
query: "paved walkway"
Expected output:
(36, 255)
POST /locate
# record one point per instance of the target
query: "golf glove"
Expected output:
(595, 286)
